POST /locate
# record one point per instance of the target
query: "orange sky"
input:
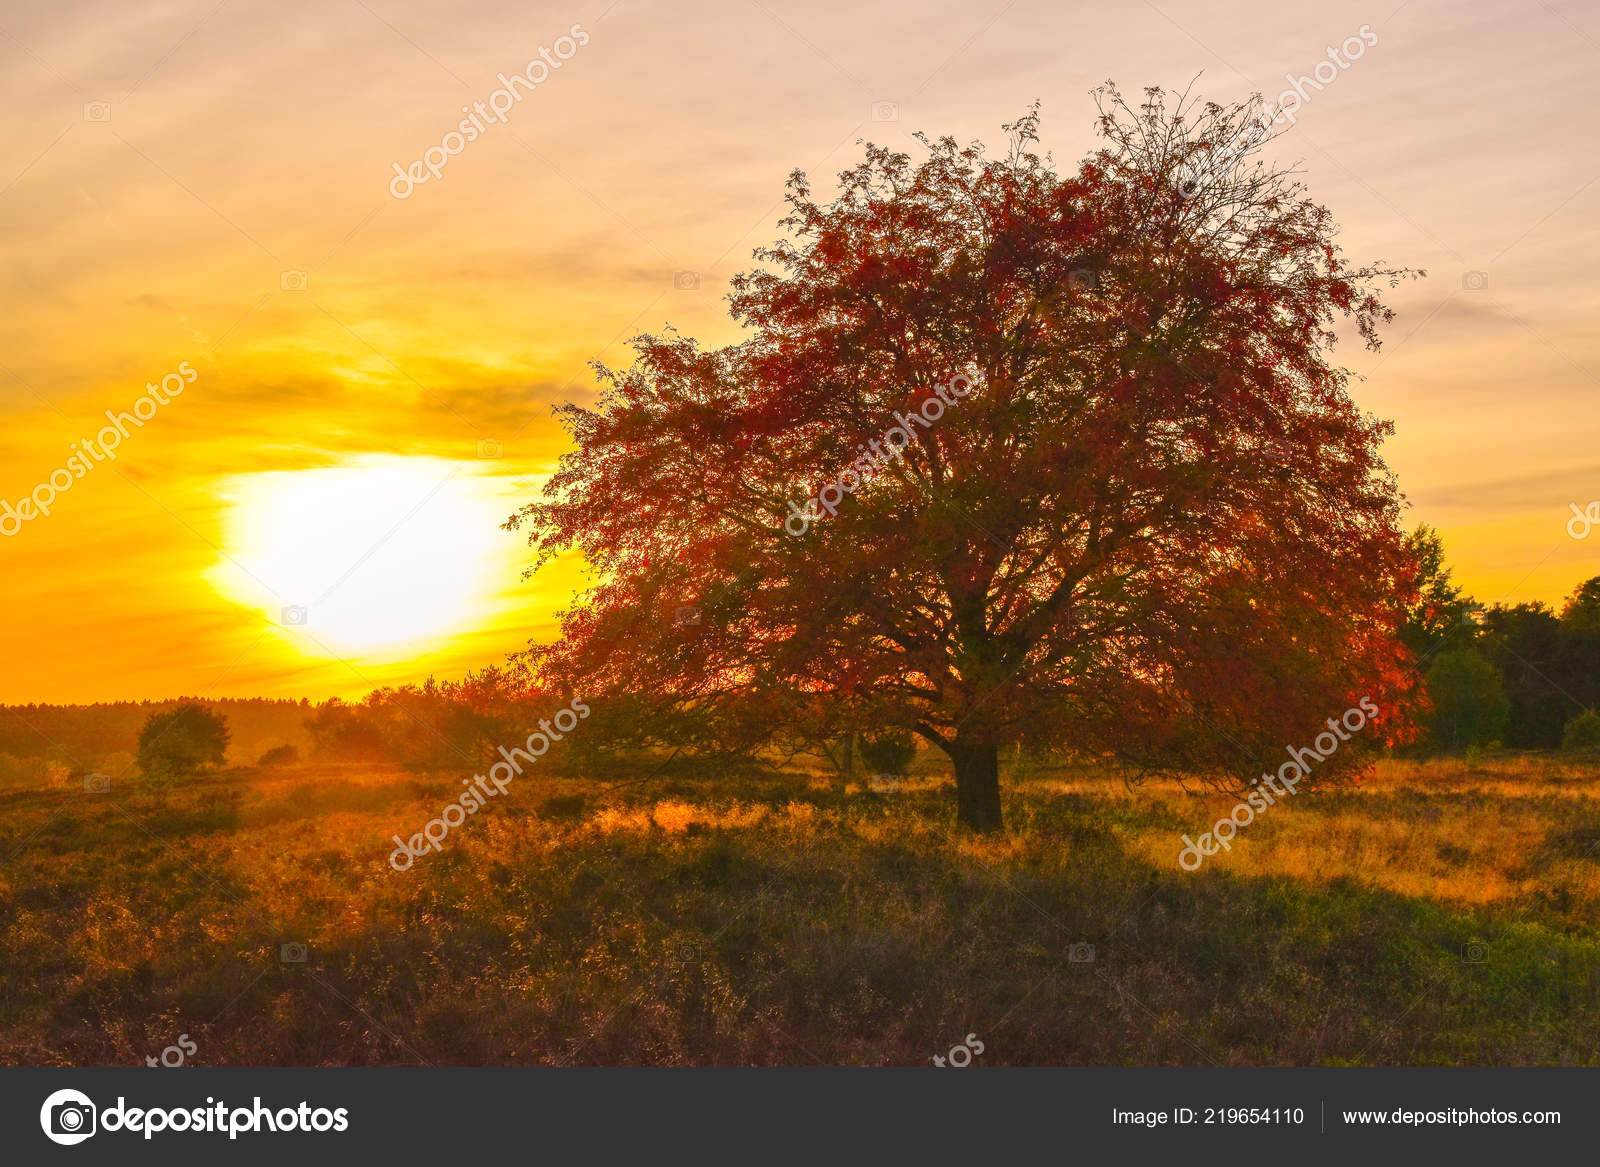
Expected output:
(172, 165)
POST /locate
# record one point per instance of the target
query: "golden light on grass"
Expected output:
(373, 559)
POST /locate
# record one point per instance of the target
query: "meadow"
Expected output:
(1439, 912)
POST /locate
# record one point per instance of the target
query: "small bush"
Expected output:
(889, 751)
(54, 774)
(563, 807)
(280, 756)
(1582, 732)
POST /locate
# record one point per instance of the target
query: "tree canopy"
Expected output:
(1137, 512)
(182, 741)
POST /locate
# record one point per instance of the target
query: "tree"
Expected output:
(1469, 703)
(1582, 733)
(182, 741)
(1005, 453)
(1533, 651)
(349, 733)
(1581, 612)
(1441, 613)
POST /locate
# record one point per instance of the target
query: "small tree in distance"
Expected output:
(1441, 613)
(1582, 733)
(182, 741)
(1137, 512)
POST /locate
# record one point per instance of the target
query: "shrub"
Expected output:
(14, 771)
(280, 756)
(889, 751)
(1582, 732)
(182, 741)
(564, 807)
(54, 774)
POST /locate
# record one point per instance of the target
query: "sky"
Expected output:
(206, 196)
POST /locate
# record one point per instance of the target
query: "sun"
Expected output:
(377, 558)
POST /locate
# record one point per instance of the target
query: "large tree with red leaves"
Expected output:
(1137, 513)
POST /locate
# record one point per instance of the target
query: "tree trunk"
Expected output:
(977, 785)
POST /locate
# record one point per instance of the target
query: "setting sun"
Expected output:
(371, 558)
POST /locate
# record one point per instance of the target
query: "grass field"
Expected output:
(1436, 913)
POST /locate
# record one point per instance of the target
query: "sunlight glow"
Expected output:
(371, 559)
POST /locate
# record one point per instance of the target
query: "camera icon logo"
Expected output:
(97, 111)
(1475, 952)
(68, 1117)
(296, 615)
(686, 615)
(292, 952)
(1475, 281)
(96, 783)
(1081, 953)
(686, 281)
(292, 281)
(886, 111)
(491, 448)
(1083, 279)
(883, 784)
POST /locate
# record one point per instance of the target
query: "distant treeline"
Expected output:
(84, 738)
(433, 726)
(1525, 676)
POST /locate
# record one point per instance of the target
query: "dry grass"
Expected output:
(1435, 913)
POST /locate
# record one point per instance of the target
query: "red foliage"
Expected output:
(1157, 526)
